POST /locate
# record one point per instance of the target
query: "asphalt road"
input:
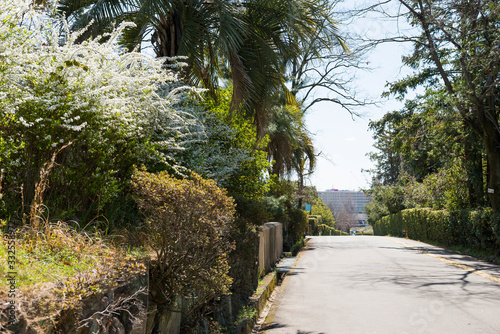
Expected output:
(364, 284)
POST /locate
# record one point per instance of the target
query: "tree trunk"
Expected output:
(491, 139)
(473, 161)
(301, 190)
(33, 164)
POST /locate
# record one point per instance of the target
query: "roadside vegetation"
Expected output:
(167, 132)
(437, 159)
(116, 164)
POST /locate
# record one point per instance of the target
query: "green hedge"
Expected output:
(317, 228)
(479, 229)
(326, 229)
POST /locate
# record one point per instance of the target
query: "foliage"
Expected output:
(417, 140)
(281, 202)
(314, 224)
(427, 158)
(243, 265)
(328, 230)
(467, 228)
(116, 109)
(187, 226)
(255, 46)
(445, 189)
(251, 43)
(295, 228)
(246, 313)
(386, 200)
(229, 151)
(319, 208)
(289, 146)
(457, 51)
(297, 246)
(276, 208)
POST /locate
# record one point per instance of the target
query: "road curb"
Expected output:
(264, 290)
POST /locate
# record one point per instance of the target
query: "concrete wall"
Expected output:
(270, 246)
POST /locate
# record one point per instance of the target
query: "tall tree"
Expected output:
(423, 138)
(458, 48)
(321, 71)
(252, 44)
(251, 41)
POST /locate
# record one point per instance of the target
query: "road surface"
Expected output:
(365, 284)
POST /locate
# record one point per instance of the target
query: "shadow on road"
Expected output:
(277, 326)
(400, 271)
(475, 264)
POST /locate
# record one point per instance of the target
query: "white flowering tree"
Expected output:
(117, 109)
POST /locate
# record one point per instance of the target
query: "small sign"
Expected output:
(491, 191)
(308, 207)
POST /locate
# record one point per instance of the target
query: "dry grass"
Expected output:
(37, 208)
(58, 264)
(58, 267)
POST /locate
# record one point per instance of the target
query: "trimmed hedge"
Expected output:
(317, 228)
(328, 230)
(479, 229)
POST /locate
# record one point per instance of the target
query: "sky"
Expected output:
(344, 141)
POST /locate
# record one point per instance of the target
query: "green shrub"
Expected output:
(314, 224)
(187, 226)
(473, 229)
(295, 228)
(328, 230)
(116, 108)
(295, 249)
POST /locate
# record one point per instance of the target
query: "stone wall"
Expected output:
(270, 246)
(126, 307)
(123, 308)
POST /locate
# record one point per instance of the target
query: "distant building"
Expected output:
(347, 206)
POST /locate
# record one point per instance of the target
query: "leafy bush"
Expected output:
(474, 229)
(296, 247)
(187, 225)
(319, 208)
(116, 109)
(328, 230)
(295, 228)
(314, 224)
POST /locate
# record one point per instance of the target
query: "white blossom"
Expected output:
(73, 84)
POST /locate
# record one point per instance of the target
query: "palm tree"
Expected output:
(251, 44)
(252, 41)
(204, 31)
(290, 147)
(280, 31)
